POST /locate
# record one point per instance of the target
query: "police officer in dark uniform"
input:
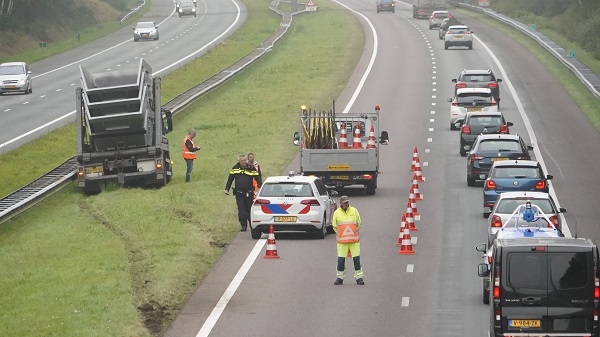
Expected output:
(244, 174)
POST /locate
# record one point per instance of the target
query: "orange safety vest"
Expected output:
(187, 154)
(347, 232)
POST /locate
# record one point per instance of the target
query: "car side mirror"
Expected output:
(449, 99)
(483, 270)
(454, 80)
(297, 138)
(509, 124)
(333, 193)
(529, 147)
(549, 177)
(562, 210)
(498, 80)
(384, 139)
(487, 213)
(482, 247)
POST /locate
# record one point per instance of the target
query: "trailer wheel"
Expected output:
(371, 188)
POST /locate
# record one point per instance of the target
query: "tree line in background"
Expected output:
(577, 20)
(23, 15)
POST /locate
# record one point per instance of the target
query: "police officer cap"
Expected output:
(344, 199)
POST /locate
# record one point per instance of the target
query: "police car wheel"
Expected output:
(255, 233)
(321, 233)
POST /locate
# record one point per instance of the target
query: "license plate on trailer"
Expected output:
(285, 219)
(95, 169)
(524, 323)
(499, 159)
(473, 109)
(340, 177)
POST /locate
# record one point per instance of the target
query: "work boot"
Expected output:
(338, 281)
(360, 282)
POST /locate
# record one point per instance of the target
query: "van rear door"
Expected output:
(524, 290)
(570, 289)
(548, 289)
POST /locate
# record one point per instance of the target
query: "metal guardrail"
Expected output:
(53, 181)
(133, 11)
(583, 72)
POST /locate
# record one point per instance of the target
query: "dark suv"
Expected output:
(386, 6)
(480, 123)
(542, 287)
(488, 149)
(479, 79)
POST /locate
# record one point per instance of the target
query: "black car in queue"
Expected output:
(480, 123)
(490, 148)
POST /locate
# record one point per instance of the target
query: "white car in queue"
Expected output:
(293, 203)
(470, 100)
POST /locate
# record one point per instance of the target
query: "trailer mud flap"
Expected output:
(121, 178)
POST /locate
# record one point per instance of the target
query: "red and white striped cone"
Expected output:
(406, 247)
(414, 160)
(371, 140)
(413, 204)
(410, 218)
(271, 247)
(415, 188)
(402, 226)
(343, 143)
(356, 142)
(418, 172)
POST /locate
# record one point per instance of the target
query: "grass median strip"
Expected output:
(122, 263)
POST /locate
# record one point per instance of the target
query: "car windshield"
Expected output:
(291, 189)
(477, 78)
(12, 70)
(515, 172)
(186, 4)
(458, 30)
(485, 121)
(507, 206)
(145, 25)
(496, 145)
(468, 98)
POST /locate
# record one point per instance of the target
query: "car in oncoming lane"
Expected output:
(480, 123)
(145, 30)
(470, 100)
(293, 203)
(488, 149)
(510, 176)
(15, 77)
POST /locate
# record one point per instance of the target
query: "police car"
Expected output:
(526, 221)
(293, 203)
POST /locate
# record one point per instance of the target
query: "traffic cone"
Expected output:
(343, 143)
(415, 158)
(402, 226)
(418, 172)
(371, 140)
(271, 247)
(413, 203)
(410, 218)
(356, 142)
(406, 247)
(415, 188)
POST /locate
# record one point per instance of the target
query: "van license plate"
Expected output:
(340, 177)
(285, 219)
(524, 323)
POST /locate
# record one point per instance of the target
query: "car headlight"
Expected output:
(135, 32)
(180, 10)
(21, 81)
(193, 9)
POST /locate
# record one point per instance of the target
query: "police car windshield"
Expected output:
(292, 189)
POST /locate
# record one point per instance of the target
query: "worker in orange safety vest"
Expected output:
(188, 150)
(346, 224)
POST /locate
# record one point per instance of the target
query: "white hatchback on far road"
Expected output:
(15, 77)
(458, 36)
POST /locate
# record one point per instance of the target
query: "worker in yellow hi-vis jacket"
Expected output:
(346, 224)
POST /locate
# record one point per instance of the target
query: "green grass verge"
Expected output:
(122, 263)
(77, 39)
(580, 94)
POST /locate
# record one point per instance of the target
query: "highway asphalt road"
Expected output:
(435, 292)
(52, 103)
